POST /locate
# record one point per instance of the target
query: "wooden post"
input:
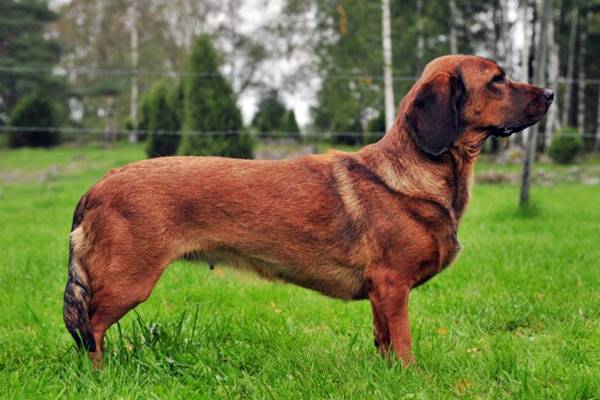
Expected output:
(538, 80)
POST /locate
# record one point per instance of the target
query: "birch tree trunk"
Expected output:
(581, 74)
(499, 55)
(387, 66)
(505, 45)
(566, 112)
(497, 18)
(420, 39)
(453, 16)
(507, 38)
(133, 110)
(524, 16)
(552, 121)
(109, 129)
(538, 81)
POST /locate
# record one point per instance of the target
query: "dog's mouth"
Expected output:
(505, 130)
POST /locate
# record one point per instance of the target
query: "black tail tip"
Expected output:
(84, 340)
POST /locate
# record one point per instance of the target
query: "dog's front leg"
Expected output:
(388, 294)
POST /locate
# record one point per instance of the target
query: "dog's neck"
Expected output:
(405, 168)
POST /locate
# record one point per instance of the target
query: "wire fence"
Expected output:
(95, 72)
(112, 72)
(278, 134)
(85, 70)
(144, 132)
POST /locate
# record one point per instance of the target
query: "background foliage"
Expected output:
(210, 108)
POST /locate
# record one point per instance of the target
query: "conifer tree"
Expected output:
(23, 49)
(160, 119)
(212, 122)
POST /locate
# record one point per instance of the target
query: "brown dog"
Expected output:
(371, 224)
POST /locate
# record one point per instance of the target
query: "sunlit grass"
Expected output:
(517, 315)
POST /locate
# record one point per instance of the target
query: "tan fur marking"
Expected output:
(412, 182)
(80, 247)
(346, 190)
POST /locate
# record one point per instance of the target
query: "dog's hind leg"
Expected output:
(389, 300)
(118, 289)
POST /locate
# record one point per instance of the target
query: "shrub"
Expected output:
(348, 135)
(158, 114)
(565, 146)
(144, 115)
(3, 136)
(375, 129)
(35, 111)
(212, 122)
(289, 125)
(269, 116)
(239, 147)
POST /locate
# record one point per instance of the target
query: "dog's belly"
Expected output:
(331, 279)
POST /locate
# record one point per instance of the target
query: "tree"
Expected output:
(581, 77)
(552, 121)
(99, 51)
(525, 70)
(597, 138)
(566, 111)
(390, 107)
(375, 129)
(160, 119)
(35, 112)
(23, 48)
(212, 122)
(420, 38)
(452, 16)
(242, 45)
(135, 56)
(340, 116)
(541, 49)
(345, 38)
(268, 119)
(289, 125)
(107, 40)
(273, 119)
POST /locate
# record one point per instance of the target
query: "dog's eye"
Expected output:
(498, 79)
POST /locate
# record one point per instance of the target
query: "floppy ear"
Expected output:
(432, 119)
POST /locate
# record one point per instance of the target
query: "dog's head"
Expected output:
(458, 94)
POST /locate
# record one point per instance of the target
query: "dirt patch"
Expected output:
(53, 172)
(586, 175)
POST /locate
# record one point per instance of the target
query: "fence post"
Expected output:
(538, 80)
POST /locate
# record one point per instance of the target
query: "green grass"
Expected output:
(516, 316)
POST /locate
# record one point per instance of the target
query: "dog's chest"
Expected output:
(447, 250)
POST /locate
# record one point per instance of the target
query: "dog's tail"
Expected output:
(78, 293)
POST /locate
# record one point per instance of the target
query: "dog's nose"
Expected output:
(549, 95)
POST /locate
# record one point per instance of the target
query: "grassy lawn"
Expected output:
(517, 315)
